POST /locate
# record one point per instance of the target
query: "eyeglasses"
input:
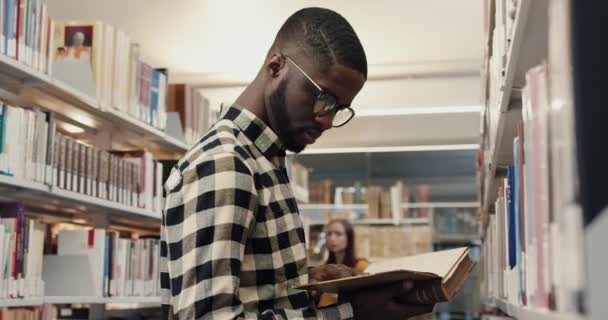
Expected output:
(326, 104)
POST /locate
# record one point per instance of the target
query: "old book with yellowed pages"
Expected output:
(437, 276)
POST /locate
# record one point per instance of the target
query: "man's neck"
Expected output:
(252, 99)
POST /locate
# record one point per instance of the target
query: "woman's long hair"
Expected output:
(349, 253)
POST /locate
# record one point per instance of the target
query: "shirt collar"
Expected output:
(264, 138)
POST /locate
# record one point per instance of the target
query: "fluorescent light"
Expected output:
(445, 147)
(379, 112)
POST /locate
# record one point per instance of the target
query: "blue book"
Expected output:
(106, 268)
(9, 24)
(511, 217)
(517, 211)
(154, 98)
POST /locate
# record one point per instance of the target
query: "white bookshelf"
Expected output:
(405, 221)
(77, 300)
(53, 196)
(72, 102)
(364, 206)
(527, 313)
(26, 302)
(101, 300)
(527, 48)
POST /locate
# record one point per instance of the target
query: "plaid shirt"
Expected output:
(232, 242)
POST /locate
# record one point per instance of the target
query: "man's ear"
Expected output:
(275, 65)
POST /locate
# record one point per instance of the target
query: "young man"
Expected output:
(232, 239)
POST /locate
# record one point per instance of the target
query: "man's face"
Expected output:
(290, 105)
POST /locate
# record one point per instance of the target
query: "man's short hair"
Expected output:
(326, 37)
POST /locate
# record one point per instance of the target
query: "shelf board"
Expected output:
(527, 313)
(364, 206)
(456, 238)
(25, 302)
(528, 47)
(43, 194)
(101, 300)
(323, 206)
(405, 221)
(22, 76)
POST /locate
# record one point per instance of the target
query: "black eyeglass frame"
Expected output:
(331, 104)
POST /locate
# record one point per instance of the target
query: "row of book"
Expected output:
(396, 241)
(119, 267)
(45, 312)
(196, 115)
(532, 233)
(21, 252)
(93, 57)
(25, 30)
(112, 266)
(32, 149)
(383, 203)
(504, 18)
(459, 221)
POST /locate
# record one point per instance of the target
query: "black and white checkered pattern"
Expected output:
(232, 242)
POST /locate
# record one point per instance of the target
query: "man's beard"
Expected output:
(278, 106)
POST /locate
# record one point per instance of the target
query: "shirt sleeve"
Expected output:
(206, 222)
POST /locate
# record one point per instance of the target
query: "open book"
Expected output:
(437, 276)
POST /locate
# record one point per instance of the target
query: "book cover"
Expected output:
(154, 88)
(2, 26)
(145, 80)
(108, 60)
(121, 71)
(89, 243)
(3, 126)
(77, 55)
(10, 30)
(20, 26)
(15, 211)
(134, 83)
(57, 158)
(51, 150)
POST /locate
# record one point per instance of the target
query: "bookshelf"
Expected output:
(526, 313)
(527, 48)
(61, 98)
(531, 219)
(101, 300)
(53, 197)
(77, 300)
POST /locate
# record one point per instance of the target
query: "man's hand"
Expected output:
(381, 303)
(330, 272)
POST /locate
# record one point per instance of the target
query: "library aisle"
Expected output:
(474, 162)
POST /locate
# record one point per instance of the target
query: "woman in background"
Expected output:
(340, 242)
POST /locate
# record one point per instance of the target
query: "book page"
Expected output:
(439, 263)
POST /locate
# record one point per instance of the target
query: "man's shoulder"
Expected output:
(221, 143)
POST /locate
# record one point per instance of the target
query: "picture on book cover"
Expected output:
(75, 57)
(78, 42)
